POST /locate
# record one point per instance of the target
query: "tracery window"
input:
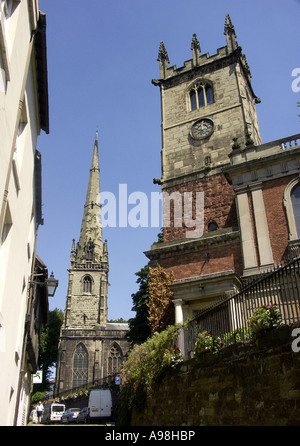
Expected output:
(201, 94)
(114, 360)
(87, 284)
(80, 366)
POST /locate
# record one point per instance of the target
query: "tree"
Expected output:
(161, 309)
(139, 329)
(48, 350)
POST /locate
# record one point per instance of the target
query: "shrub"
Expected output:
(38, 396)
(237, 335)
(146, 360)
(265, 318)
(207, 341)
(147, 363)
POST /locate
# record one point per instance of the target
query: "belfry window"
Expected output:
(87, 284)
(201, 94)
(80, 366)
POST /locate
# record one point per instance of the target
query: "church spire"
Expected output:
(90, 246)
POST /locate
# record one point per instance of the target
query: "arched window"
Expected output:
(80, 366)
(114, 360)
(295, 198)
(201, 94)
(90, 251)
(212, 226)
(87, 284)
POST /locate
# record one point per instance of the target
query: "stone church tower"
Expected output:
(91, 349)
(208, 109)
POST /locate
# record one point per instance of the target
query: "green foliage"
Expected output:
(120, 320)
(238, 335)
(145, 365)
(172, 356)
(38, 396)
(145, 360)
(139, 329)
(265, 318)
(207, 341)
(48, 349)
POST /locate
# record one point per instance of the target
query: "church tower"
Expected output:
(208, 109)
(91, 349)
(88, 273)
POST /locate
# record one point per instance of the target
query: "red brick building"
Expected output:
(229, 201)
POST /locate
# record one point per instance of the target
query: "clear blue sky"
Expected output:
(102, 56)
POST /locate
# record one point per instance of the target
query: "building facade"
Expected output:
(90, 349)
(222, 188)
(23, 114)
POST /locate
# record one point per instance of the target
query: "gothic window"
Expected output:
(114, 360)
(87, 284)
(80, 366)
(201, 94)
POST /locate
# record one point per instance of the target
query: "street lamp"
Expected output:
(51, 284)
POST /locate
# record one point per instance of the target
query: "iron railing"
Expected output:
(228, 317)
(107, 380)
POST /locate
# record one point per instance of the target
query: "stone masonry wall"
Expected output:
(250, 384)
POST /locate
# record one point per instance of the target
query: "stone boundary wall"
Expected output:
(252, 383)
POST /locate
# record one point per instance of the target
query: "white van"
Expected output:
(53, 412)
(100, 404)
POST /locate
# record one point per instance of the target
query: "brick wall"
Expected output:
(254, 383)
(276, 216)
(219, 205)
(222, 258)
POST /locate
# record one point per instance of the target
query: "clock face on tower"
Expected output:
(202, 128)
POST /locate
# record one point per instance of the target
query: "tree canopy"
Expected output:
(139, 329)
(48, 350)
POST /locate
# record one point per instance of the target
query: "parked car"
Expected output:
(70, 415)
(83, 416)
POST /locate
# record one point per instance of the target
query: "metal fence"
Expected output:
(107, 380)
(228, 317)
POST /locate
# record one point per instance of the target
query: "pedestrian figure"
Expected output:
(39, 411)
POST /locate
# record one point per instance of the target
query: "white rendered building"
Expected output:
(23, 114)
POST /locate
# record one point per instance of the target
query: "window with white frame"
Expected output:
(295, 199)
(291, 201)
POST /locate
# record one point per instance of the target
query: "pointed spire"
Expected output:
(163, 60)
(195, 47)
(229, 32)
(90, 245)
